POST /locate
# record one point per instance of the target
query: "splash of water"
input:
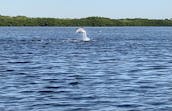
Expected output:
(84, 36)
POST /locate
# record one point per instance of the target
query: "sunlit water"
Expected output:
(52, 69)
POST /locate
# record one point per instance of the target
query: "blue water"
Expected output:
(52, 69)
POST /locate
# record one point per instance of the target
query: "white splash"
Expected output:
(84, 36)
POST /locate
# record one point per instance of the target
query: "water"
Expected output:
(52, 69)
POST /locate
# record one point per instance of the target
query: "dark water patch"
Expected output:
(135, 70)
(74, 83)
(53, 87)
(144, 81)
(128, 105)
(156, 103)
(9, 70)
(21, 62)
(157, 67)
(47, 92)
(74, 76)
(28, 92)
(63, 91)
(80, 109)
(147, 87)
(88, 97)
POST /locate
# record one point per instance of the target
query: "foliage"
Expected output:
(89, 21)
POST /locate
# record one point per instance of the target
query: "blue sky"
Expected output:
(156, 9)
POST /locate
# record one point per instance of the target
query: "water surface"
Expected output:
(51, 69)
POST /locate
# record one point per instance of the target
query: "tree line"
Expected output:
(89, 21)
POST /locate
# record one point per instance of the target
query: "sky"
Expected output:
(152, 9)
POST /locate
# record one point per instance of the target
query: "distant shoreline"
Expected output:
(89, 21)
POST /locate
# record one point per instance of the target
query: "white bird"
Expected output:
(84, 37)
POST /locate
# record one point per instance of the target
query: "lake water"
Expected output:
(120, 69)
